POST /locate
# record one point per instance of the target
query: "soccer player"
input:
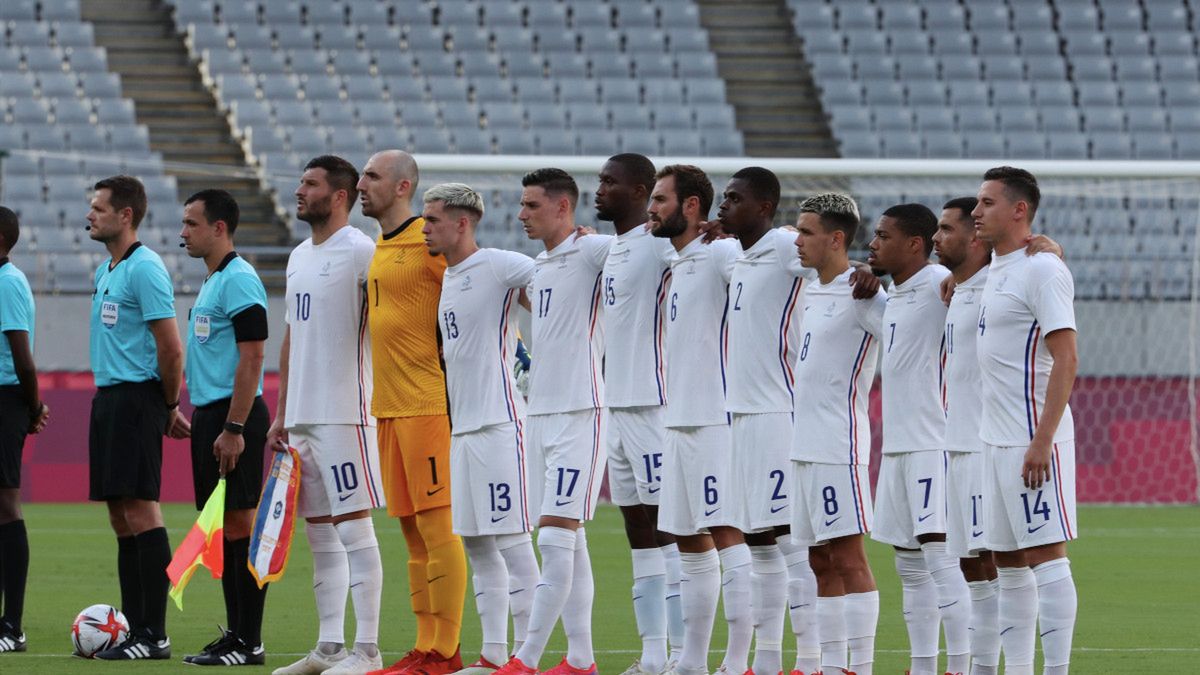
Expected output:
(227, 332)
(910, 496)
(831, 447)
(487, 452)
(633, 288)
(137, 361)
(566, 424)
(21, 412)
(409, 404)
(967, 257)
(1028, 359)
(697, 450)
(324, 413)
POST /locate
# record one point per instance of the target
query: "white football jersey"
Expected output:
(329, 356)
(839, 347)
(696, 333)
(568, 339)
(478, 314)
(1025, 298)
(766, 296)
(914, 411)
(633, 293)
(964, 410)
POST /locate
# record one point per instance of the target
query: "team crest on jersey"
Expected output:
(831, 308)
(466, 284)
(691, 268)
(203, 328)
(1000, 285)
(969, 297)
(325, 268)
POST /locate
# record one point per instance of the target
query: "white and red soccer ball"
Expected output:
(97, 628)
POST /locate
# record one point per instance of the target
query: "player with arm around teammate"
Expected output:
(22, 412)
(478, 313)
(967, 257)
(1028, 360)
(324, 413)
(227, 331)
(831, 497)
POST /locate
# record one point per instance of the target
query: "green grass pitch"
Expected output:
(1135, 568)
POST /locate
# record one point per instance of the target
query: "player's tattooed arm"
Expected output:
(864, 282)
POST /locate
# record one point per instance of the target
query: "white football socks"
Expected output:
(366, 577)
(557, 545)
(674, 601)
(768, 576)
(577, 620)
(862, 616)
(701, 588)
(1057, 605)
(735, 591)
(954, 604)
(331, 580)
(920, 611)
(831, 616)
(650, 607)
(523, 573)
(1018, 618)
(802, 605)
(490, 579)
(985, 634)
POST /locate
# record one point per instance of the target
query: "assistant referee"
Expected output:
(137, 362)
(227, 332)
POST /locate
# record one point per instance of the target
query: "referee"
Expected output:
(21, 412)
(227, 330)
(137, 361)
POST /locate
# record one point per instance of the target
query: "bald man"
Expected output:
(404, 286)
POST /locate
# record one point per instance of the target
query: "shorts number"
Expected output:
(544, 301)
(830, 497)
(674, 297)
(568, 482)
(345, 477)
(976, 500)
(777, 494)
(653, 464)
(500, 499)
(710, 490)
(433, 469)
(451, 326)
(737, 301)
(303, 306)
(928, 488)
(804, 346)
(1039, 507)
(376, 292)
(610, 295)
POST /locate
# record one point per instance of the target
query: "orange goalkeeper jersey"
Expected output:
(405, 285)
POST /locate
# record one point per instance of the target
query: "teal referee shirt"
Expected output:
(136, 291)
(16, 313)
(213, 332)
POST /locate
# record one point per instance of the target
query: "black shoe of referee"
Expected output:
(228, 650)
(11, 640)
(138, 646)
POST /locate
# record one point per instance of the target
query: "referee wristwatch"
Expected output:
(234, 428)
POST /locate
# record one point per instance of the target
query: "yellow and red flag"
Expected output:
(203, 545)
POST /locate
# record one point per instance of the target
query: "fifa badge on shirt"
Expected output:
(203, 328)
(108, 313)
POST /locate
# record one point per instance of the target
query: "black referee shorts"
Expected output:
(243, 485)
(125, 440)
(14, 423)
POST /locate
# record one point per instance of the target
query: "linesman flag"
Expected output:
(203, 545)
(275, 521)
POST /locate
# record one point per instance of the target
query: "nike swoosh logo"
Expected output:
(653, 490)
(976, 534)
(921, 519)
(430, 493)
(949, 605)
(440, 576)
(342, 499)
(496, 520)
(830, 522)
(519, 590)
(355, 585)
(709, 513)
(1007, 629)
(562, 503)
(1048, 632)
(805, 604)
(1035, 529)
(777, 509)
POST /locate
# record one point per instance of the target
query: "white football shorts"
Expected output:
(339, 469)
(964, 505)
(635, 452)
(695, 479)
(1016, 517)
(910, 498)
(566, 462)
(761, 469)
(488, 490)
(830, 501)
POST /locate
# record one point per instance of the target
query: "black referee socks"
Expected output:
(250, 598)
(14, 561)
(128, 571)
(153, 556)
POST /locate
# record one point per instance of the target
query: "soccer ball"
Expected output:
(97, 628)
